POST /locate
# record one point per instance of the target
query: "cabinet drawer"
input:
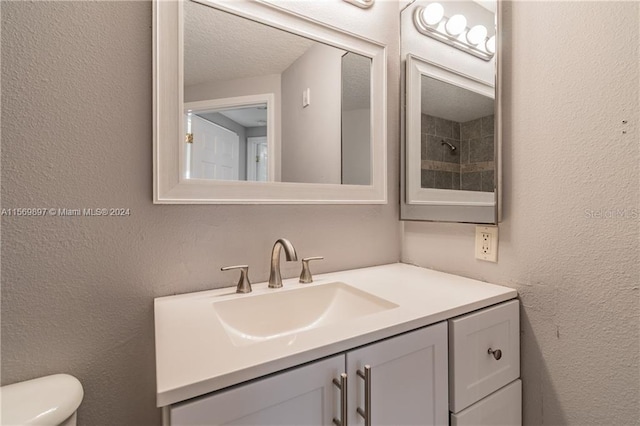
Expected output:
(474, 372)
(501, 408)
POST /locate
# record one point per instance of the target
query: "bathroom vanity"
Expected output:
(386, 345)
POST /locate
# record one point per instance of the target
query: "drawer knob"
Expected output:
(497, 354)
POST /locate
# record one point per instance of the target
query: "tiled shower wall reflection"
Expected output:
(470, 166)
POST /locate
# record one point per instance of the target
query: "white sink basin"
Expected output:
(250, 319)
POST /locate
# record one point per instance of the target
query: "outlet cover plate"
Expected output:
(487, 243)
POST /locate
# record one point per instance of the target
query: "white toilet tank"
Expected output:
(46, 401)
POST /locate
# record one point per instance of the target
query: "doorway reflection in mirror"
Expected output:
(227, 144)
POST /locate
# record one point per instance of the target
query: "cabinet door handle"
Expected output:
(497, 353)
(342, 385)
(366, 413)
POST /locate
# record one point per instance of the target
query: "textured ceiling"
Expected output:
(248, 117)
(452, 102)
(220, 46)
(212, 40)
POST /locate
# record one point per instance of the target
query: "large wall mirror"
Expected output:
(451, 150)
(254, 104)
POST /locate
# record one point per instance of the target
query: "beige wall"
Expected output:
(77, 293)
(571, 78)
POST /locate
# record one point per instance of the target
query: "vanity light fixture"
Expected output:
(431, 21)
(477, 35)
(456, 25)
(364, 4)
(432, 14)
(491, 45)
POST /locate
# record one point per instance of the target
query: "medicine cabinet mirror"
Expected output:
(451, 134)
(256, 104)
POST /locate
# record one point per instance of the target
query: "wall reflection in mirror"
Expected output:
(266, 105)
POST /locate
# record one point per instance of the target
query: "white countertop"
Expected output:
(195, 356)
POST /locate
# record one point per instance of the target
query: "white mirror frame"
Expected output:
(170, 187)
(415, 194)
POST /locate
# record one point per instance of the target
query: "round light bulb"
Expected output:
(477, 34)
(432, 14)
(491, 45)
(456, 25)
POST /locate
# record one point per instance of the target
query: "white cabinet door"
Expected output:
(409, 379)
(214, 151)
(298, 397)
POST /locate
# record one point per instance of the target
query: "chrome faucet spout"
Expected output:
(275, 279)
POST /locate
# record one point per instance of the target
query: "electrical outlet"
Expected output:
(487, 243)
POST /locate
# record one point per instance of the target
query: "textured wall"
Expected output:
(571, 78)
(77, 292)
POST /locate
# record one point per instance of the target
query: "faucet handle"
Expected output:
(244, 285)
(305, 275)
